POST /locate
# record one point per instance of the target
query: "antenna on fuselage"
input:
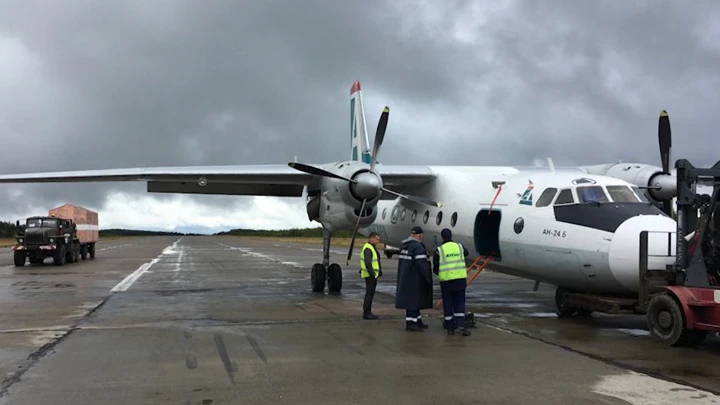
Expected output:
(551, 165)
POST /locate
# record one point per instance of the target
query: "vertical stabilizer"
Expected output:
(359, 142)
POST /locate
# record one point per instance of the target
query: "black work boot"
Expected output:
(370, 315)
(413, 327)
(464, 332)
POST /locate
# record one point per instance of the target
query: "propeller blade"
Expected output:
(665, 140)
(352, 241)
(416, 199)
(379, 135)
(317, 171)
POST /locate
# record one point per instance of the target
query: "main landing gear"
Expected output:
(321, 271)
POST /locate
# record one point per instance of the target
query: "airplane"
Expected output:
(576, 228)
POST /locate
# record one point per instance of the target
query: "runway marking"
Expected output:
(132, 278)
(640, 389)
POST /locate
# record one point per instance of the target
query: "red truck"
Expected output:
(67, 234)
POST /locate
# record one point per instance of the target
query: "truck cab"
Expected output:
(46, 236)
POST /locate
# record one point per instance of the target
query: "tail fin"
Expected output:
(358, 130)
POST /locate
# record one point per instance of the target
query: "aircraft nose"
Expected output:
(624, 253)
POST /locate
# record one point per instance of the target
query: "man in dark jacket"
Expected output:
(449, 266)
(414, 281)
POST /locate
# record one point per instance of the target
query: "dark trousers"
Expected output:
(413, 317)
(370, 285)
(453, 306)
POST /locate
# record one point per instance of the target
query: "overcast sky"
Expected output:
(96, 85)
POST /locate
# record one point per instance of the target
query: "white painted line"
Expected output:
(640, 389)
(132, 278)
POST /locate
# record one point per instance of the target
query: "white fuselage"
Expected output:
(597, 253)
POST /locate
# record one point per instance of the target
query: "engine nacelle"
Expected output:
(642, 175)
(338, 204)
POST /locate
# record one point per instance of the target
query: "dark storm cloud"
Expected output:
(134, 83)
(183, 82)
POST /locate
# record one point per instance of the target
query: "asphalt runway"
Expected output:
(225, 320)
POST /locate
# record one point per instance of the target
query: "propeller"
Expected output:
(367, 185)
(665, 142)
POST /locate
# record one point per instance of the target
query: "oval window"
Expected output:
(519, 225)
(384, 212)
(402, 216)
(438, 219)
(453, 219)
(394, 214)
(413, 217)
(426, 217)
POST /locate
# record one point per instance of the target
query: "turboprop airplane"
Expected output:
(576, 228)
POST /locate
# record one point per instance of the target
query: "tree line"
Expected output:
(9, 230)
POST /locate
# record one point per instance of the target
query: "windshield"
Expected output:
(622, 194)
(640, 194)
(37, 222)
(592, 194)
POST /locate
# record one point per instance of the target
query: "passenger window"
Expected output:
(621, 194)
(592, 194)
(438, 219)
(546, 197)
(453, 219)
(384, 212)
(394, 214)
(640, 194)
(426, 217)
(565, 197)
(413, 217)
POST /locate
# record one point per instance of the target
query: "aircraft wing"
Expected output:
(267, 180)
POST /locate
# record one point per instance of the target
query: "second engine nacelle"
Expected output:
(660, 186)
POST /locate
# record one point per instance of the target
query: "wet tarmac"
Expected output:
(221, 320)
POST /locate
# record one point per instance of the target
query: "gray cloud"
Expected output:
(124, 84)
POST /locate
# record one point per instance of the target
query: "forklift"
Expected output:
(685, 308)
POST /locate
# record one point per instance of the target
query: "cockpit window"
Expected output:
(592, 194)
(640, 194)
(565, 197)
(622, 194)
(546, 197)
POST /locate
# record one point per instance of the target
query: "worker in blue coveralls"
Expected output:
(449, 266)
(414, 281)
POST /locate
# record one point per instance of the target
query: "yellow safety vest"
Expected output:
(452, 262)
(375, 263)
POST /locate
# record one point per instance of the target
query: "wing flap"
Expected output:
(275, 190)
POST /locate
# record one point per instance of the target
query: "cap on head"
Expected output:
(416, 230)
(446, 234)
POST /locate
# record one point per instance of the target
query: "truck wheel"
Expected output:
(70, 255)
(59, 256)
(76, 253)
(19, 258)
(83, 251)
(666, 321)
(91, 250)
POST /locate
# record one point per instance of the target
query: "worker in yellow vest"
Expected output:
(370, 270)
(449, 266)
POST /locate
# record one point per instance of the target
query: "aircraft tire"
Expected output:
(562, 309)
(317, 277)
(334, 278)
